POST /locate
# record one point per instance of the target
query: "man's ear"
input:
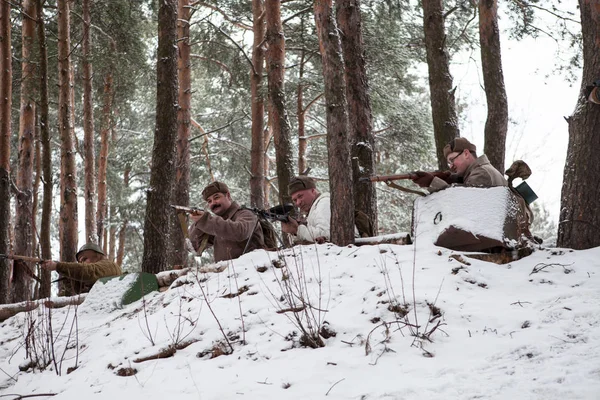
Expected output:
(228, 195)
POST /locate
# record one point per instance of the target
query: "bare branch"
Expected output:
(223, 13)
(236, 45)
(219, 63)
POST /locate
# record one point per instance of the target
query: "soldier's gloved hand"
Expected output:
(48, 265)
(290, 227)
(446, 176)
(422, 178)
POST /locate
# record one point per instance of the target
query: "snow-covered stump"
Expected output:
(469, 219)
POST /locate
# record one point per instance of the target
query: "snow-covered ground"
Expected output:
(483, 331)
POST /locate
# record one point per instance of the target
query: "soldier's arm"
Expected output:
(91, 272)
(238, 230)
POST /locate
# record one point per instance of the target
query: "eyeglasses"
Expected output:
(452, 159)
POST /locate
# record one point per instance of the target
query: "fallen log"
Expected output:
(9, 310)
(394, 238)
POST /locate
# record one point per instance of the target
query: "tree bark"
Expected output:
(443, 104)
(579, 223)
(102, 209)
(496, 124)
(300, 112)
(5, 133)
(181, 191)
(91, 233)
(46, 153)
(124, 223)
(21, 285)
(112, 235)
(257, 193)
(340, 168)
(361, 137)
(162, 173)
(68, 173)
(277, 103)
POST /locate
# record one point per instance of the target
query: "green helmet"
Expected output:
(89, 246)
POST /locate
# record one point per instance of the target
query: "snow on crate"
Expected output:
(466, 218)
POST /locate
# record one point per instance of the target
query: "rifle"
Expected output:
(279, 213)
(28, 270)
(389, 178)
(22, 258)
(187, 210)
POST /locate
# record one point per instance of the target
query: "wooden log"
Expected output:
(394, 238)
(9, 310)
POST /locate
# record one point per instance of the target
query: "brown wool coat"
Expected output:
(479, 174)
(230, 233)
(82, 276)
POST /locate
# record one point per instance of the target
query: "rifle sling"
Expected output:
(404, 189)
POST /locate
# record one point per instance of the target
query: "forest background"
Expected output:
(256, 100)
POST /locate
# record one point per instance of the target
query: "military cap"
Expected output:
(89, 246)
(301, 182)
(215, 187)
(459, 145)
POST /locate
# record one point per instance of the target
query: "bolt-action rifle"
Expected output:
(410, 175)
(279, 213)
(389, 180)
(187, 210)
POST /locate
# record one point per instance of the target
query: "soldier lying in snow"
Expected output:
(91, 265)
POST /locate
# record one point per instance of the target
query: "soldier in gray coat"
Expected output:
(231, 230)
(465, 168)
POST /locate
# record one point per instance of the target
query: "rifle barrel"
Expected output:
(384, 178)
(22, 258)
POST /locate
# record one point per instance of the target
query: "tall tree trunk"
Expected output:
(88, 129)
(102, 209)
(21, 282)
(443, 104)
(68, 172)
(496, 124)
(37, 167)
(121, 245)
(5, 133)
(267, 135)
(112, 236)
(340, 169)
(361, 137)
(257, 193)
(277, 104)
(579, 224)
(46, 153)
(301, 113)
(124, 222)
(181, 191)
(162, 173)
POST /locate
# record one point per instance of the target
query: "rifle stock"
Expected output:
(410, 175)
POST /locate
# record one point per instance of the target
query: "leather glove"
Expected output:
(446, 176)
(423, 179)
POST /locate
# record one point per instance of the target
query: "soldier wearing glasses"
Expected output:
(465, 168)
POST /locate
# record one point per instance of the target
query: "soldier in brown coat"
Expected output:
(466, 168)
(92, 265)
(232, 231)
